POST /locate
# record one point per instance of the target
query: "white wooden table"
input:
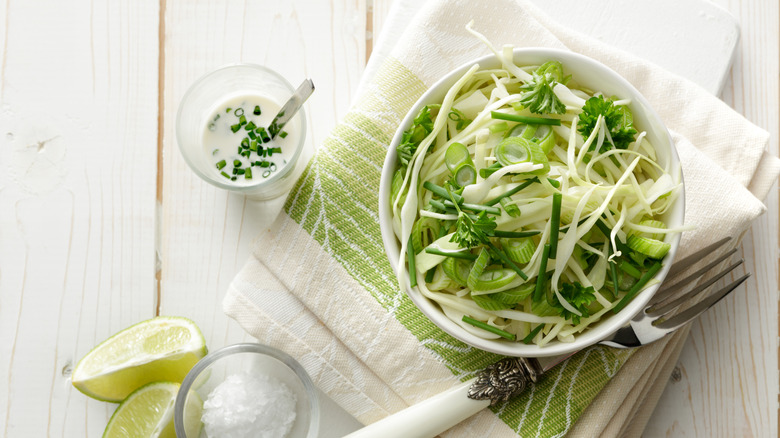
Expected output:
(102, 224)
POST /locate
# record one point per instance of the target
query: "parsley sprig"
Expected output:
(538, 95)
(619, 121)
(579, 297)
(412, 137)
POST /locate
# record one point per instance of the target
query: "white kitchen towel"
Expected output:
(319, 286)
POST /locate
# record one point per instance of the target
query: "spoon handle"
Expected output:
(291, 107)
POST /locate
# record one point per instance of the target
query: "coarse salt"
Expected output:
(249, 405)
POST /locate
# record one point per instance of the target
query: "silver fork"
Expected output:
(510, 376)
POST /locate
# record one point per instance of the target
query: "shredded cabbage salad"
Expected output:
(529, 207)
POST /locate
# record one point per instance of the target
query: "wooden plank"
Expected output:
(206, 232)
(728, 379)
(77, 199)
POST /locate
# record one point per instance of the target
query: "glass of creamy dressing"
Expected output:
(224, 131)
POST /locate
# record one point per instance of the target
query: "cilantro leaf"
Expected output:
(470, 233)
(579, 297)
(538, 95)
(421, 127)
(618, 118)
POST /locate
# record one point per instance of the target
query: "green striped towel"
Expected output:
(319, 285)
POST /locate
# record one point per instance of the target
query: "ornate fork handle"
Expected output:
(505, 379)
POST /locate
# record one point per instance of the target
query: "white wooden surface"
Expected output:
(93, 238)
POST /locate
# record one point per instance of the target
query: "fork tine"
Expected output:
(695, 257)
(662, 308)
(687, 315)
(667, 291)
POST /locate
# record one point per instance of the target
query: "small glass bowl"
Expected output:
(254, 358)
(201, 99)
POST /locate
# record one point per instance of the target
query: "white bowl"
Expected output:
(590, 74)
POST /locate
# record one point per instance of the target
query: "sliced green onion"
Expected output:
(488, 303)
(638, 286)
(525, 119)
(242, 120)
(522, 130)
(235, 127)
(504, 258)
(510, 208)
(465, 174)
(455, 155)
(490, 328)
(250, 126)
(237, 114)
(221, 164)
(248, 173)
(555, 223)
(498, 127)
(514, 295)
(530, 338)
(515, 150)
(456, 270)
(541, 279)
(283, 134)
(494, 278)
(650, 247)
(225, 175)
(237, 163)
(487, 171)
(519, 250)
(257, 111)
(478, 268)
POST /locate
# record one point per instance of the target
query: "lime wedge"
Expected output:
(159, 349)
(148, 412)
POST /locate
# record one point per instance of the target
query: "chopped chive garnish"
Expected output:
(233, 178)
(530, 338)
(473, 207)
(242, 120)
(489, 328)
(525, 119)
(541, 278)
(257, 110)
(235, 171)
(283, 134)
(614, 274)
(245, 143)
(237, 163)
(253, 146)
(239, 150)
(228, 110)
(239, 112)
(252, 135)
(214, 152)
(225, 175)
(248, 173)
(441, 191)
(429, 275)
(638, 286)
(221, 164)
(235, 127)
(514, 234)
(276, 150)
(507, 261)
(239, 171)
(272, 167)
(606, 231)
(266, 173)
(250, 126)
(555, 223)
(458, 254)
(511, 192)
(264, 163)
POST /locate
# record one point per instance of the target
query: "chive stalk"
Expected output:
(525, 119)
(528, 339)
(459, 254)
(489, 328)
(638, 286)
(555, 223)
(542, 277)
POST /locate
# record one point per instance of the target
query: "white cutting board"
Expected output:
(692, 38)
